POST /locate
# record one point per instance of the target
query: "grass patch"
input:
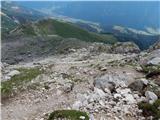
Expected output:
(16, 83)
(65, 30)
(151, 109)
(68, 114)
(28, 29)
(150, 68)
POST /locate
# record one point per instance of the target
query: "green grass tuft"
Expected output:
(68, 114)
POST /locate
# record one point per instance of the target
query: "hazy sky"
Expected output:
(80, 0)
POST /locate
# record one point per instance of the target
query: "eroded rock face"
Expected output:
(126, 47)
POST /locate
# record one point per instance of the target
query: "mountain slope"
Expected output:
(47, 37)
(143, 39)
(51, 27)
(13, 15)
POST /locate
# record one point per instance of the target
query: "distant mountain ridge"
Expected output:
(16, 17)
(13, 15)
(133, 14)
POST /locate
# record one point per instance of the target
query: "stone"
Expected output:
(151, 97)
(68, 87)
(138, 85)
(77, 105)
(91, 117)
(139, 68)
(7, 77)
(123, 91)
(116, 96)
(101, 103)
(154, 61)
(129, 98)
(13, 73)
(103, 69)
(104, 84)
(99, 92)
(82, 117)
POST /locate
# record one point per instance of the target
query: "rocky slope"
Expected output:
(45, 38)
(106, 84)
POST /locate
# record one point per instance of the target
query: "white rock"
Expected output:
(101, 103)
(116, 118)
(82, 97)
(117, 95)
(123, 91)
(144, 81)
(99, 92)
(107, 90)
(151, 97)
(129, 98)
(7, 77)
(82, 117)
(136, 96)
(91, 117)
(13, 73)
(154, 61)
(59, 92)
(77, 105)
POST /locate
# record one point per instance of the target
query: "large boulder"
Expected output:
(104, 83)
(151, 96)
(125, 47)
(112, 80)
(138, 85)
(154, 61)
(151, 58)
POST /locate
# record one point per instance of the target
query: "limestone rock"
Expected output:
(77, 105)
(105, 84)
(154, 61)
(68, 87)
(151, 96)
(13, 73)
(138, 85)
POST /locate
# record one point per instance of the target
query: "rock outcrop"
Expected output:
(126, 47)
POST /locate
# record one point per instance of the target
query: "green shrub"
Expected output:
(151, 109)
